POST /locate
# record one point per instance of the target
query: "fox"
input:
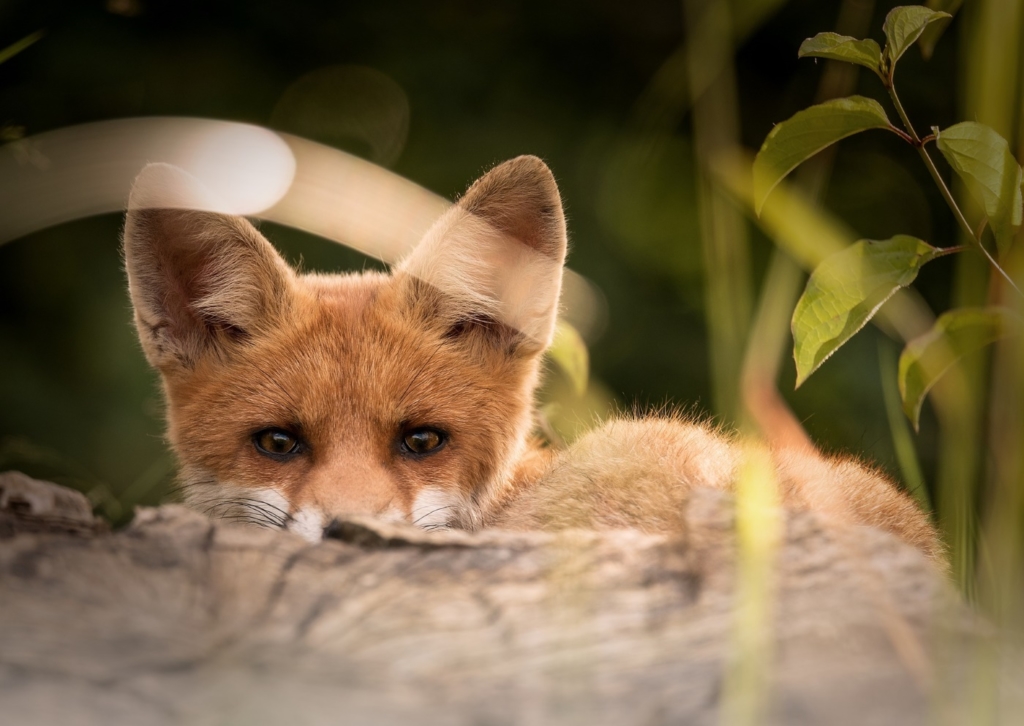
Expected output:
(296, 399)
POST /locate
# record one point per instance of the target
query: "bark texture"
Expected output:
(179, 619)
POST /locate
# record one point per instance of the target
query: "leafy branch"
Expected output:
(919, 144)
(847, 289)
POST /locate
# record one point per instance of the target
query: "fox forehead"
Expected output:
(346, 348)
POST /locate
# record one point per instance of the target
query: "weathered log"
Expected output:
(179, 619)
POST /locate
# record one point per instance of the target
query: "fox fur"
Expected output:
(447, 347)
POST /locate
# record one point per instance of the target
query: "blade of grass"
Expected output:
(759, 528)
(14, 48)
(902, 438)
(723, 228)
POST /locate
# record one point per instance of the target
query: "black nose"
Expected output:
(360, 535)
(334, 530)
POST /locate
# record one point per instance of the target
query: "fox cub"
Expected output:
(296, 398)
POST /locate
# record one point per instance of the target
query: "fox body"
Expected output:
(293, 399)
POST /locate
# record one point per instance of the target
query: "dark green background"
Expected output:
(484, 81)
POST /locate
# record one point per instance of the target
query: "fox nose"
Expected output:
(355, 533)
(335, 530)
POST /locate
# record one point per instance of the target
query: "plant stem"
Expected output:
(1001, 270)
(946, 194)
(932, 169)
(943, 251)
(903, 135)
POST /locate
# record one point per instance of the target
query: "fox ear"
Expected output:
(199, 281)
(497, 255)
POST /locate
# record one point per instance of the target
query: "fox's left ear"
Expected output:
(497, 254)
(200, 282)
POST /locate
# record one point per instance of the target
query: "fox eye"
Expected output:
(423, 440)
(276, 443)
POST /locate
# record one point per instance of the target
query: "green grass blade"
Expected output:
(14, 48)
(931, 35)
(902, 438)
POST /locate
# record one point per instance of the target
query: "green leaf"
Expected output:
(843, 48)
(955, 334)
(904, 25)
(983, 160)
(569, 352)
(930, 36)
(14, 48)
(846, 290)
(806, 133)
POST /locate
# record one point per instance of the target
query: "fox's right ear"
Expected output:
(200, 281)
(497, 254)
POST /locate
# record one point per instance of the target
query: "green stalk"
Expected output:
(932, 169)
(14, 48)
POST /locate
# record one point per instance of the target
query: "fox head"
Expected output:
(293, 399)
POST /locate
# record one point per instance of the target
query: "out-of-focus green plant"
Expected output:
(12, 132)
(569, 352)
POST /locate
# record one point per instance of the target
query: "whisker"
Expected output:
(263, 503)
(424, 506)
(433, 511)
(246, 520)
(244, 501)
(253, 506)
(436, 527)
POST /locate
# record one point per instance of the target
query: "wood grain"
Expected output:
(181, 620)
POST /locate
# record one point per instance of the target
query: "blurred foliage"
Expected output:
(439, 91)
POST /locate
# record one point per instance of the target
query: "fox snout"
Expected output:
(432, 509)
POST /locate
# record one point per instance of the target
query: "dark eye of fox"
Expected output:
(424, 440)
(276, 443)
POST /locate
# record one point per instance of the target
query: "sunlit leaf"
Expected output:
(930, 36)
(14, 48)
(983, 160)
(955, 334)
(569, 352)
(806, 133)
(904, 25)
(843, 48)
(846, 290)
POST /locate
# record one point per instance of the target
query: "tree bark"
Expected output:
(180, 619)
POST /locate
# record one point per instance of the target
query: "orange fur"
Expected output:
(451, 340)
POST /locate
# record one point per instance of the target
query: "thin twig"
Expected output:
(903, 135)
(943, 251)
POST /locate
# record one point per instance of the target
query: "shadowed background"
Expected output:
(438, 92)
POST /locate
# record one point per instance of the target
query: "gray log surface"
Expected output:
(178, 619)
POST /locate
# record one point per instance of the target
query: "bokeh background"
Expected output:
(625, 101)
